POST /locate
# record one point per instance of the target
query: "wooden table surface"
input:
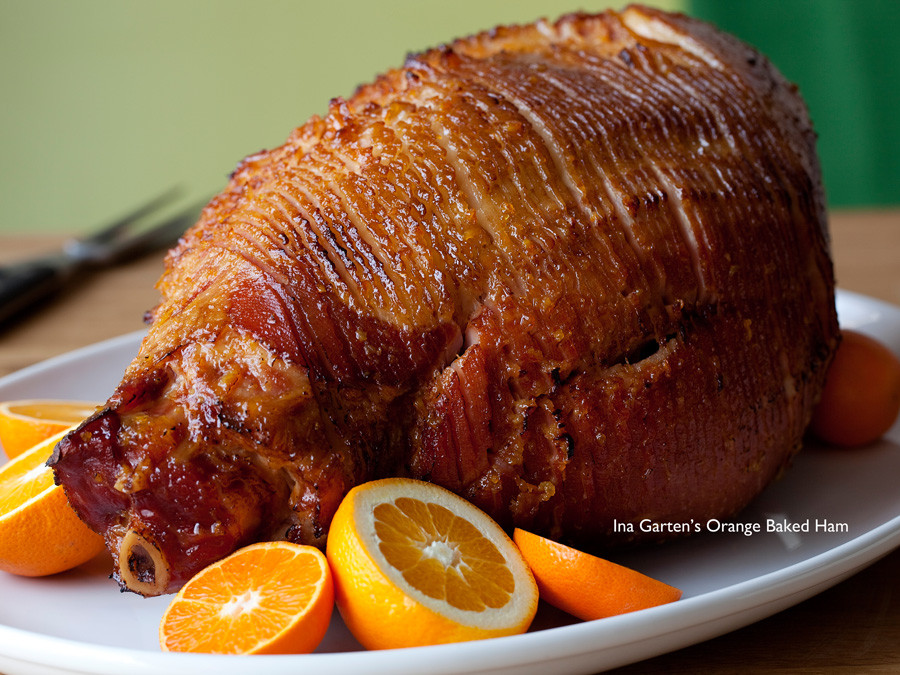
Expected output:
(852, 627)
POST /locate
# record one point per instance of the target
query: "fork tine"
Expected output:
(159, 236)
(110, 231)
(27, 282)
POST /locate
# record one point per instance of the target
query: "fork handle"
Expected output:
(24, 284)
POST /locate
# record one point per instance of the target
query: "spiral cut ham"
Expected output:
(577, 272)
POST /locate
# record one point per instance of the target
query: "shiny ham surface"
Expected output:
(576, 272)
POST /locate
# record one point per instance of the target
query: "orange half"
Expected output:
(268, 598)
(415, 564)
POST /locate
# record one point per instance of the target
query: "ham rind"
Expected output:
(577, 272)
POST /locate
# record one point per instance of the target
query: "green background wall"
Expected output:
(845, 57)
(106, 103)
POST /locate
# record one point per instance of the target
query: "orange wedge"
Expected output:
(414, 564)
(586, 586)
(28, 422)
(39, 532)
(268, 598)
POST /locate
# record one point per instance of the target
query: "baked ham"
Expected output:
(576, 272)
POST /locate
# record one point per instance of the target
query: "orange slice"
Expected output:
(415, 564)
(586, 586)
(268, 598)
(39, 532)
(28, 422)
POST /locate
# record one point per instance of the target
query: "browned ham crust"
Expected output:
(576, 272)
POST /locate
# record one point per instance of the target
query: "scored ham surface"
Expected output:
(577, 272)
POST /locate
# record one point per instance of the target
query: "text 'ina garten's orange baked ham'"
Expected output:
(576, 272)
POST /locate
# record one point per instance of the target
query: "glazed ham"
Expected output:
(576, 272)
